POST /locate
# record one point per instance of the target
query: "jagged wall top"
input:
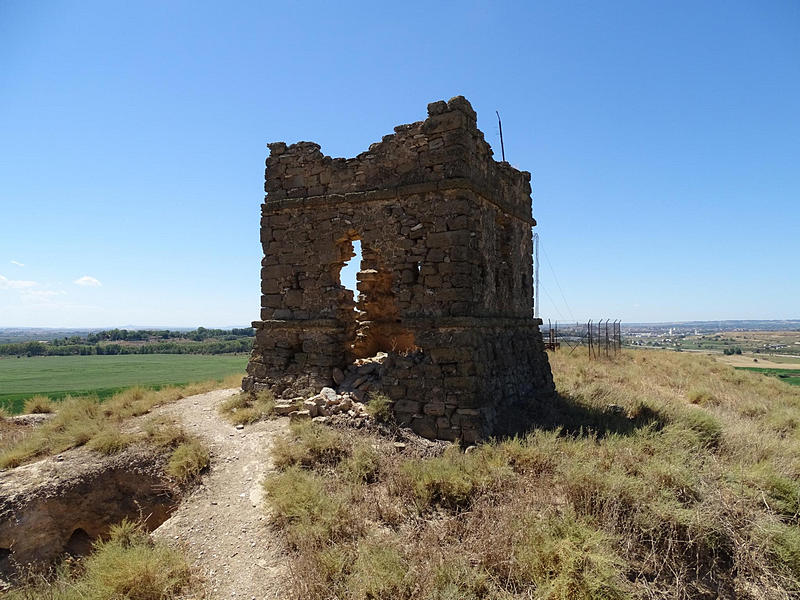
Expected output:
(445, 147)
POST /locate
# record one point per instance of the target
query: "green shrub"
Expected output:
(564, 558)
(456, 579)
(130, 565)
(333, 561)
(784, 548)
(362, 464)
(780, 493)
(533, 454)
(379, 571)
(379, 407)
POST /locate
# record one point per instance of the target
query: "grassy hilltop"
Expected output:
(660, 475)
(656, 475)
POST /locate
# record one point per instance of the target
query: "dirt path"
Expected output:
(223, 523)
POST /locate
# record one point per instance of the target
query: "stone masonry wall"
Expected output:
(445, 287)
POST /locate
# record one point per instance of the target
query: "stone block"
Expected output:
(409, 406)
(424, 426)
(470, 435)
(433, 408)
(445, 433)
(300, 415)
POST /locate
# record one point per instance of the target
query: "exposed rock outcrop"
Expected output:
(61, 504)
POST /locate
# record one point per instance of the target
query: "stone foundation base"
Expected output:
(468, 378)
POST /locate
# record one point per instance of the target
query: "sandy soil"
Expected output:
(223, 524)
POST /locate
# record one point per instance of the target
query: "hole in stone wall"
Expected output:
(379, 327)
(5, 561)
(374, 324)
(79, 543)
(350, 269)
(347, 276)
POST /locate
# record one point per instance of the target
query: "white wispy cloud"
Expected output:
(44, 293)
(40, 296)
(16, 262)
(15, 284)
(87, 281)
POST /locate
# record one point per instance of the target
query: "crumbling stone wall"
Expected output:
(445, 287)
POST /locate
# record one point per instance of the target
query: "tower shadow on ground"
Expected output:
(573, 417)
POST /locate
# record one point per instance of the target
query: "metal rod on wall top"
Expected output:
(502, 147)
(536, 311)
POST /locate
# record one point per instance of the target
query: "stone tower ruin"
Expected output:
(445, 285)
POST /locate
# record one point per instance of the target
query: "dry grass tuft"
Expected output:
(188, 456)
(312, 514)
(38, 405)
(310, 444)
(164, 432)
(110, 440)
(188, 460)
(453, 480)
(248, 407)
(87, 421)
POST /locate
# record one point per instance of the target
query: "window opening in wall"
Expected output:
(347, 275)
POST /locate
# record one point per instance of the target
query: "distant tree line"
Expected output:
(139, 335)
(199, 341)
(732, 351)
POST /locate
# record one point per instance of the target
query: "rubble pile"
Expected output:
(362, 377)
(355, 383)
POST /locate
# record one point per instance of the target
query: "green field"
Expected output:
(58, 376)
(790, 376)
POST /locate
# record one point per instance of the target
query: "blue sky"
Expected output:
(663, 138)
